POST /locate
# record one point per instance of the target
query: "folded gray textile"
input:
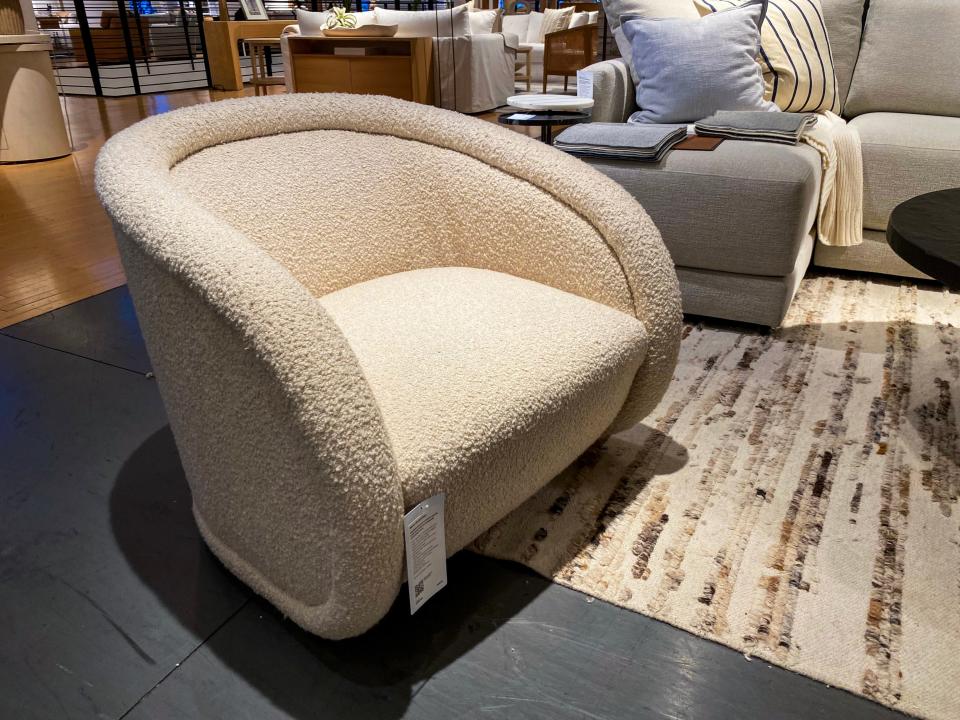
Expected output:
(647, 142)
(778, 127)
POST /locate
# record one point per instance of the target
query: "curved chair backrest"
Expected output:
(375, 192)
(233, 217)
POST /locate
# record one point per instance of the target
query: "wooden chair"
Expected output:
(604, 30)
(566, 51)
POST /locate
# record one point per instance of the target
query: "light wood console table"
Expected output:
(399, 66)
(222, 37)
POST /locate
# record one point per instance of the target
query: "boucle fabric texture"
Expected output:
(229, 246)
(794, 496)
(447, 353)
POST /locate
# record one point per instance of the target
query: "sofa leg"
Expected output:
(544, 82)
(565, 78)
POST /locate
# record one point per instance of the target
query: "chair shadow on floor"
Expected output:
(375, 675)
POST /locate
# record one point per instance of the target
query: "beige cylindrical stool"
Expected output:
(31, 121)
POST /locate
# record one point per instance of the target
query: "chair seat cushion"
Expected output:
(905, 156)
(488, 384)
(745, 207)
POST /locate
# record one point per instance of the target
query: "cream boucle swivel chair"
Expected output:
(340, 330)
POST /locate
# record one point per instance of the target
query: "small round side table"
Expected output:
(544, 120)
(925, 231)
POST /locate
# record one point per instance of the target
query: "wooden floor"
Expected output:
(56, 244)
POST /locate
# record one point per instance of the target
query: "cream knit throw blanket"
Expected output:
(840, 217)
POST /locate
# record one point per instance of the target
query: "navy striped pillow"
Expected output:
(795, 54)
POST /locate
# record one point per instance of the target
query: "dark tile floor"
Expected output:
(111, 607)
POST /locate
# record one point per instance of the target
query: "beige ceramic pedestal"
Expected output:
(31, 121)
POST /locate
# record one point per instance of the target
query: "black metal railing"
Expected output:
(112, 47)
(124, 47)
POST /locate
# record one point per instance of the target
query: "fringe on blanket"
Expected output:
(840, 215)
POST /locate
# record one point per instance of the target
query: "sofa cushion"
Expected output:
(615, 9)
(905, 156)
(535, 28)
(516, 25)
(583, 18)
(313, 23)
(909, 59)
(427, 23)
(554, 20)
(746, 207)
(481, 376)
(484, 22)
(844, 20)
(689, 69)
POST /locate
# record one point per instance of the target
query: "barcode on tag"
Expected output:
(426, 550)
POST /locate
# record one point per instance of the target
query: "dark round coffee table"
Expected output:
(925, 231)
(544, 120)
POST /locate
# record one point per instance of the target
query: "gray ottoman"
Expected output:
(738, 221)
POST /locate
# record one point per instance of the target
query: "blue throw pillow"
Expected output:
(689, 69)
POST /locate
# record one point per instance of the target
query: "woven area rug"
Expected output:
(794, 496)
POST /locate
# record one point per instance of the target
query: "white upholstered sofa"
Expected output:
(473, 66)
(338, 338)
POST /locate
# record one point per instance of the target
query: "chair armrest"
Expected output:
(614, 94)
(508, 42)
(511, 40)
(473, 73)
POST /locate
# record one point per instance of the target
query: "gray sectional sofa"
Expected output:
(740, 220)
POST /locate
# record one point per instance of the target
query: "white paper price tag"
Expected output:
(584, 84)
(423, 536)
